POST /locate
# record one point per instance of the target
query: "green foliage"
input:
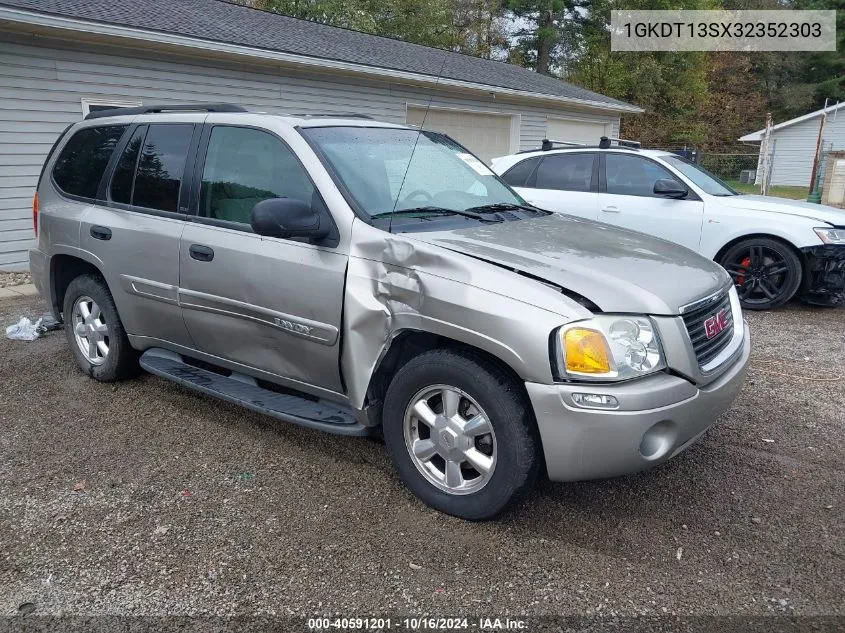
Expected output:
(702, 99)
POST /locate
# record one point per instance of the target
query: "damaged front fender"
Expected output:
(396, 283)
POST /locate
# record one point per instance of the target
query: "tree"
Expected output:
(538, 34)
(479, 28)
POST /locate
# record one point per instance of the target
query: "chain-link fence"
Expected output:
(735, 167)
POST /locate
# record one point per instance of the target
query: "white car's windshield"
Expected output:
(700, 176)
(412, 173)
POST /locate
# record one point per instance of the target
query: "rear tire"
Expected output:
(461, 434)
(94, 331)
(767, 273)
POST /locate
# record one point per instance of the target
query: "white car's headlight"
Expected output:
(608, 347)
(831, 235)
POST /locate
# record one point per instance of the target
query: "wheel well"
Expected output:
(743, 238)
(413, 343)
(805, 272)
(63, 270)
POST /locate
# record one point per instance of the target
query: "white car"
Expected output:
(773, 248)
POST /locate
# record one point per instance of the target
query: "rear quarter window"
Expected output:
(82, 161)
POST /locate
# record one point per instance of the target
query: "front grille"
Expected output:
(706, 349)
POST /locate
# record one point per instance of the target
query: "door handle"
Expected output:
(610, 210)
(100, 232)
(201, 253)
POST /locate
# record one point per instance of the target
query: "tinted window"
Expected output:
(517, 175)
(83, 160)
(632, 175)
(244, 167)
(124, 173)
(566, 172)
(160, 167)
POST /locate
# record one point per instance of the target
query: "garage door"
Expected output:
(588, 132)
(485, 135)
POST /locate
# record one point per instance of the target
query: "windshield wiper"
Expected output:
(504, 206)
(435, 211)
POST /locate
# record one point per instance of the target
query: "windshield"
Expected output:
(386, 169)
(700, 176)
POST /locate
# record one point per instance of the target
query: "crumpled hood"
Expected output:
(617, 269)
(801, 209)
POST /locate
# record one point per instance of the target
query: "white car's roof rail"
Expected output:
(604, 143)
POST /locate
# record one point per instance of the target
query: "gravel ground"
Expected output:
(143, 498)
(14, 279)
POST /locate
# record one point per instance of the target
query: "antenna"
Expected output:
(416, 140)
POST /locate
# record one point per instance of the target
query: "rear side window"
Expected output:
(244, 166)
(518, 175)
(80, 166)
(150, 170)
(566, 172)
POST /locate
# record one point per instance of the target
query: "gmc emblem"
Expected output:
(715, 324)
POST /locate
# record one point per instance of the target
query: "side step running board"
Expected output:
(244, 391)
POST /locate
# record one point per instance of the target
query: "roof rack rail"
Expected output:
(155, 109)
(549, 144)
(335, 115)
(605, 143)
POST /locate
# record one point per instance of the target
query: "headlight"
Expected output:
(608, 347)
(831, 236)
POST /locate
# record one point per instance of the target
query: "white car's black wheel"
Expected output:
(767, 273)
(94, 331)
(461, 434)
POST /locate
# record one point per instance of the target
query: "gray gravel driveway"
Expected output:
(143, 498)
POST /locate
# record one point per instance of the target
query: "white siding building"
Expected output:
(792, 147)
(61, 58)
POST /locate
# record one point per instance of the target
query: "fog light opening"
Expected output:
(595, 401)
(658, 440)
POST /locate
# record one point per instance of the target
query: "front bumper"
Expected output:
(825, 283)
(657, 418)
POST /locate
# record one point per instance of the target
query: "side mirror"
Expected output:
(668, 188)
(288, 217)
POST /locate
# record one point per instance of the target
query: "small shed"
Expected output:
(792, 146)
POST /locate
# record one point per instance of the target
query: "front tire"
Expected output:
(461, 434)
(767, 273)
(95, 332)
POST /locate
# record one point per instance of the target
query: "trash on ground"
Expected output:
(26, 330)
(23, 330)
(48, 324)
(79, 486)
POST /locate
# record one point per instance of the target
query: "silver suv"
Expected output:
(361, 277)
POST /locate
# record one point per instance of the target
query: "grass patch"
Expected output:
(779, 191)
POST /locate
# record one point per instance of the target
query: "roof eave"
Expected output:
(62, 23)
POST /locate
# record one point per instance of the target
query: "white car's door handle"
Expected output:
(610, 210)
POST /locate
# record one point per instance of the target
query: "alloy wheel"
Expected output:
(761, 274)
(450, 439)
(90, 330)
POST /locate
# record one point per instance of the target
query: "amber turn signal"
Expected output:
(586, 351)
